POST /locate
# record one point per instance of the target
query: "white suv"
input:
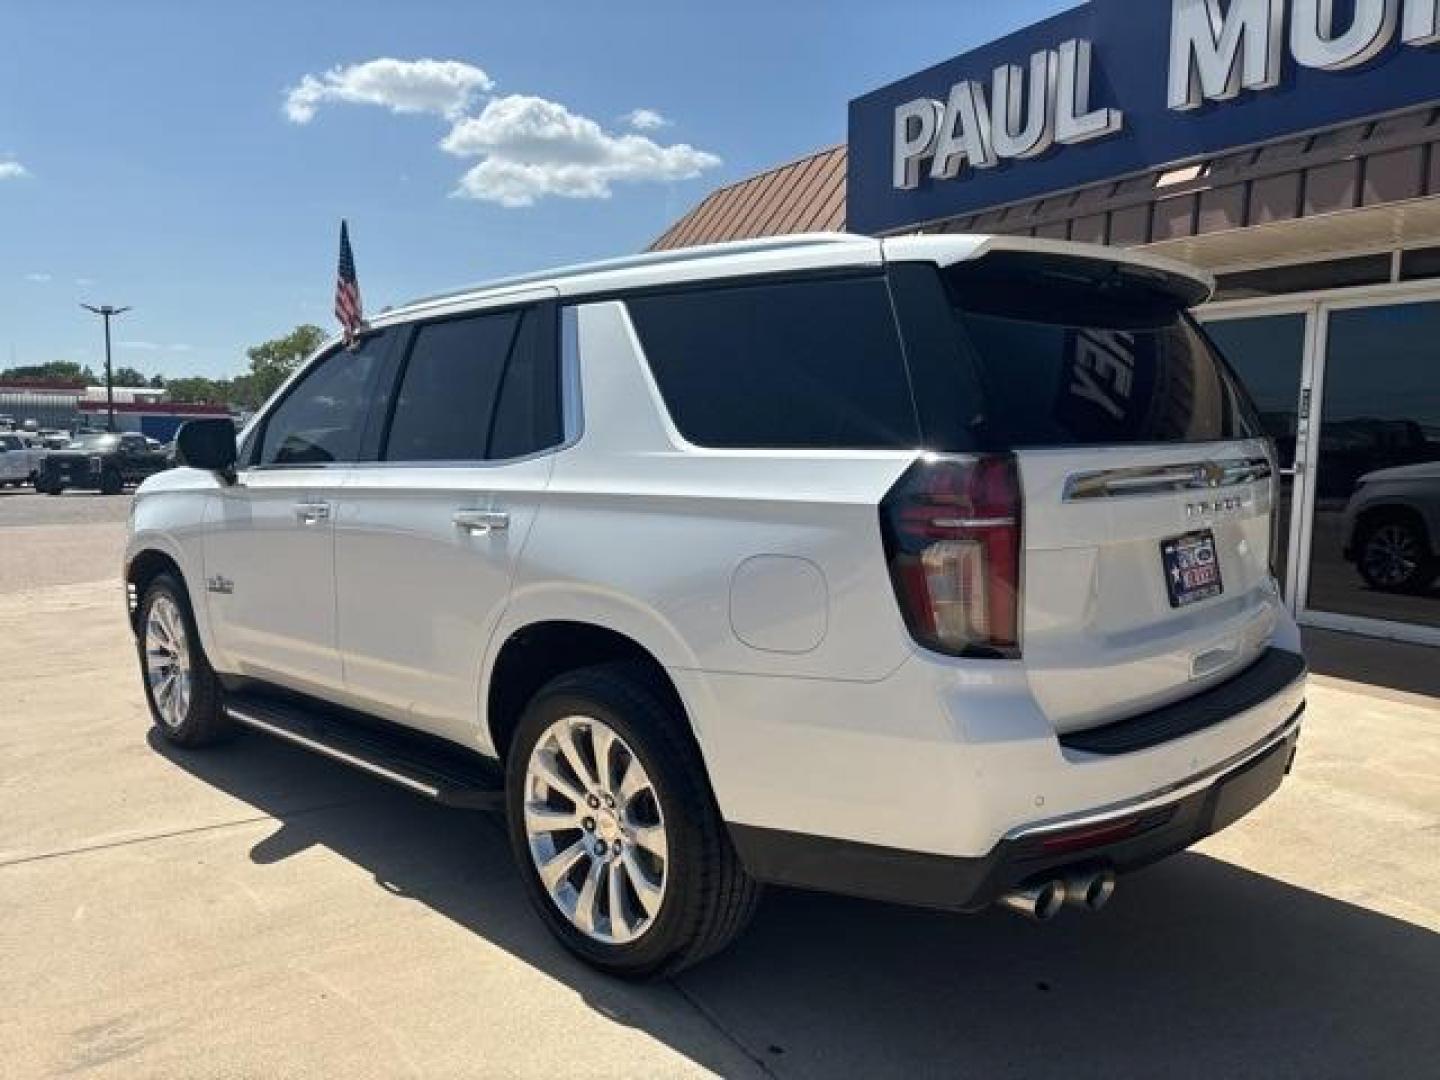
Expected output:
(935, 570)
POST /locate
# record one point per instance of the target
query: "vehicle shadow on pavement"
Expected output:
(1196, 968)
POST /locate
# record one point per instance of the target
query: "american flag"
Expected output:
(348, 308)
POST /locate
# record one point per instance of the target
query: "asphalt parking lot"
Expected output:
(253, 911)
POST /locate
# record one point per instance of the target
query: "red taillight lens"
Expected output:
(952, 537)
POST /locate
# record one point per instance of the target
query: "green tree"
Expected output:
(197, 388)
(129, 376)
(55, 369)
(272, 362)
(244, 393)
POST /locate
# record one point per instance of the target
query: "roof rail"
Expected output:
(630, 262)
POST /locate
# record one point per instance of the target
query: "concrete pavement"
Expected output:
(253, 911)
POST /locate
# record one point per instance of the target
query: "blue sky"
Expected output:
(147, 157)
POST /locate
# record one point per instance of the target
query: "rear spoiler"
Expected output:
(1188, 284)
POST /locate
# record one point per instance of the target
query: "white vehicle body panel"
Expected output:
(168, 516)
(277, 621)
(417, 596)
(940, 757)
(668, 550)
(1101, 639)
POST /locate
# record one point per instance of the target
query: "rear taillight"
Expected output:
(952, 537)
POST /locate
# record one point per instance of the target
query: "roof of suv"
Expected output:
(814, 251)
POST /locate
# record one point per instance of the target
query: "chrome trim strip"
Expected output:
(1166, 479)
(973, 523)
(570, 398)
(1173, 793)
(331, 752)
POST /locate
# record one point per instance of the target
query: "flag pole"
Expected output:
(349, 309)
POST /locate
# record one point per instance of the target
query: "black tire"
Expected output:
(1393, 554)
(204, 721)
(709, 898)
(110, 482)
(49, 487)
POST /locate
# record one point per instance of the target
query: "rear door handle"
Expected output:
(479, 522)
(312, 513)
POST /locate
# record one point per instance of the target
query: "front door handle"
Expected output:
(480, 522)
(312, 513)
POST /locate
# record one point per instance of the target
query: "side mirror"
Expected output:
(208, 445)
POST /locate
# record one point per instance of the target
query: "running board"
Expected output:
(452, 777)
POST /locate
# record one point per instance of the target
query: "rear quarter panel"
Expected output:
(645, 535)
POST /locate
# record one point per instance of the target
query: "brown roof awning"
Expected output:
(804, 196)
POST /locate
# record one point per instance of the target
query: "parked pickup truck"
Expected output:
(19, 461)
(100, 461)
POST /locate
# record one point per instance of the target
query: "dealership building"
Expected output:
(1290, 147)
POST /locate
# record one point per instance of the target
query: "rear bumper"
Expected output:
(1120, 837)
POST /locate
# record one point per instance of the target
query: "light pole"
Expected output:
(105, 311)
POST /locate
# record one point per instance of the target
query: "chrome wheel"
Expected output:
(1392, 556)
(167, 661)
(596, 834)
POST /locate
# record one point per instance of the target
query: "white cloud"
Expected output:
(39, 279)
(153, 346)
(13, 170)
(532, 148)
(84, 281)
(646, 120)
(445, 87)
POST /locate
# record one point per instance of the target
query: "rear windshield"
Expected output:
(1076, 352)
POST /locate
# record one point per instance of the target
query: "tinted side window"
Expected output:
(803, 364)
(448, 391)
(527, 419)
(322, 418)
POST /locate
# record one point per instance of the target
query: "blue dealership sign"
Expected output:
(1119, 86)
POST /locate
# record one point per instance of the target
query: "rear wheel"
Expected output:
(110, 482)
(183, 692)
(1393, 555)
(618, 838)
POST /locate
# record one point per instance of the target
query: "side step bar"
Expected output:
(452, 777)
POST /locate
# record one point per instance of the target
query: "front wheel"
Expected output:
(183, 692)
(1394, 556)
(617, 834)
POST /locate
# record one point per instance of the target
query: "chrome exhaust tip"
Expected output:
(1038, 902)
(1091, 891)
